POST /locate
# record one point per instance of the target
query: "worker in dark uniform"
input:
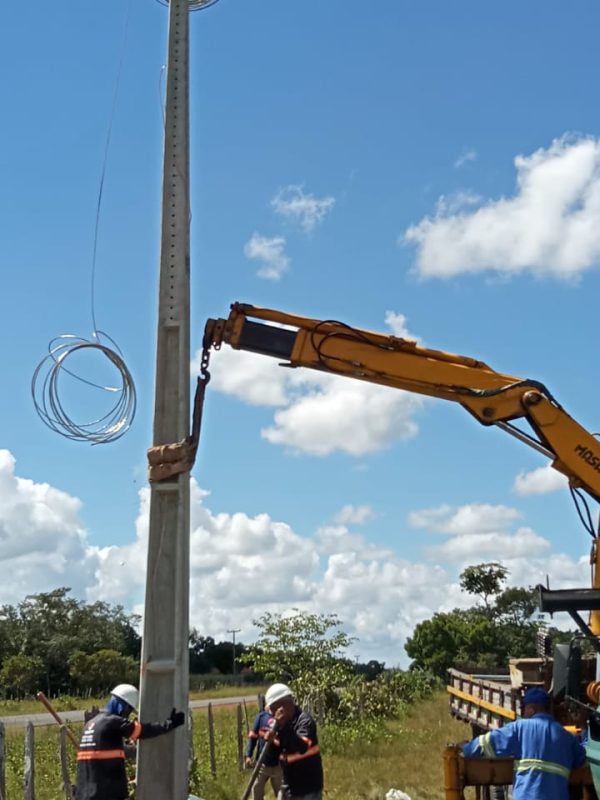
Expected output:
(101, 771)
(295, 732)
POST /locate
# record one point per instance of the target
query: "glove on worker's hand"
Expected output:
(176, 719)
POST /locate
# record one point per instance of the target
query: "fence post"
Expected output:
(29, 772)
(191, 741)
(211, 741)
(261, 702)
(2, 762)
(64, 764)
(240, 736)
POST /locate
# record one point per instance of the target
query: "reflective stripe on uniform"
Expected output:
(487, 748)
(293, 757)
(92, 755)
(527, 764)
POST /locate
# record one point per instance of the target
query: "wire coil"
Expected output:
(194, 5)
(47, 401)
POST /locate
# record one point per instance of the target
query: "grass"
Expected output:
(410, 758)
(229, 691)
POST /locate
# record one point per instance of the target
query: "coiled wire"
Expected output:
(194, 5)
(47, 400)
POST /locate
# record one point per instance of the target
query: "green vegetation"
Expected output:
(46, 641)
(485, 635)
(53, 642)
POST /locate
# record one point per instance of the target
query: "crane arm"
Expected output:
(493, 398)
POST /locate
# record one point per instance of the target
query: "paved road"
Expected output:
(21, 720)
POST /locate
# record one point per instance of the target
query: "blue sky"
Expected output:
(438, 161)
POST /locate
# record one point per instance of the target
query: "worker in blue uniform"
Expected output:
(544, 752)
(270, 770)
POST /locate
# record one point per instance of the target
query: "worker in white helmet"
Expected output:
(101, 773)
(295, 733)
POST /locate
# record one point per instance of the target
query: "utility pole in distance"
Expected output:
(233, 631)
(162, 767)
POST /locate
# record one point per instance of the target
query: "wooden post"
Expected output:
(2, 762)
(29, 772)
(240, 736)
(211, 742)
(246, 716)
(191, 739)
(64, 764)
(452, 782)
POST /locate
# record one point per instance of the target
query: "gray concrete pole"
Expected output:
(162, 769)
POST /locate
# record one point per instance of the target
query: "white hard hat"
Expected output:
(277, 692)
(128, 693)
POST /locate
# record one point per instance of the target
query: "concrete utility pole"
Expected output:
(162, 768)
(233, 631)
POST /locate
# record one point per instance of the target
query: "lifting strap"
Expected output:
(166, 461)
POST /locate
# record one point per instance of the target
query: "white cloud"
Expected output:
(543, 480)
(397, 324)
(242, 565)
(550, 226)
(354, 515)
(468, 548)
(468, 154)
(41, 537)
(341, 415)
(269, 251)
(334, 539)
(475, 519)
(305, 210)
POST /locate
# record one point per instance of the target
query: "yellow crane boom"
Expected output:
(493, 398)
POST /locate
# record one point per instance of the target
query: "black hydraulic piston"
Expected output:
(568, 599)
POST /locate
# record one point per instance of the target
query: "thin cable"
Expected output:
(111, 120)
(46, 378)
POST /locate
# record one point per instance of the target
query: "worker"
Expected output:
(101, 771)
(295, 733)
(544, 752)
(270, 770)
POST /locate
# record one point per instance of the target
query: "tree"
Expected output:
(20, 675)
(484, 580)
(306, 651)
(51, 626)
(102, 671)
(288, 647)
(479, 636)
